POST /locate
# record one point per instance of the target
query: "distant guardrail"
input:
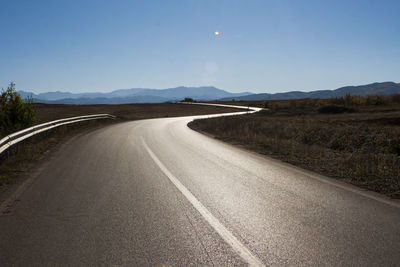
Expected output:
(251, 109)
(17, 137)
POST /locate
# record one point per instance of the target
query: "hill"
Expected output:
(384, 88)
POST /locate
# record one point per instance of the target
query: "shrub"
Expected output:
(15, 114)
(188, 99)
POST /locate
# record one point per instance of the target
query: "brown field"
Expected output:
(46, 112)
(360, 145)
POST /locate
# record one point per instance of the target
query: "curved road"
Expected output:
(153, 192)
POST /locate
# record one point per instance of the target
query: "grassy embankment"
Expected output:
(356, 139)
(19, 158)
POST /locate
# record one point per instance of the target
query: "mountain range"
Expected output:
(384, 88)
(135, 95)
(143, 95)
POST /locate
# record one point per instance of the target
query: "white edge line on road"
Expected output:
(243, 252)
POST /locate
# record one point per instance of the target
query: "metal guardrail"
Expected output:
(251, 109)
(17, 137)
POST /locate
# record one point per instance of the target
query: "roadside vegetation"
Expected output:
(188, 99)
(15, 114)
(353, 138)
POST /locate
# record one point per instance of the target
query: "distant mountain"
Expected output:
(385, 88)
(107, 101)
(57, 95)
(134, 95)
(145, 95)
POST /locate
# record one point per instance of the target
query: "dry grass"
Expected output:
(362, 148)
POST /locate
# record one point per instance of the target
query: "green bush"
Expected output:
(188, 99)
(15, 114)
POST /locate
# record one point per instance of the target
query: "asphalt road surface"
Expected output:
(154, 192)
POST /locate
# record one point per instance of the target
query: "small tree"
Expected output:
(188, 99)
(347, 100)
(15, 114)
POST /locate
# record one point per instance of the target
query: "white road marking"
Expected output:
(243, 252)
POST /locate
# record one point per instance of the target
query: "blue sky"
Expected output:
(263, 46)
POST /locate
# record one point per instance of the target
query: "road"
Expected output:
(152, 192)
